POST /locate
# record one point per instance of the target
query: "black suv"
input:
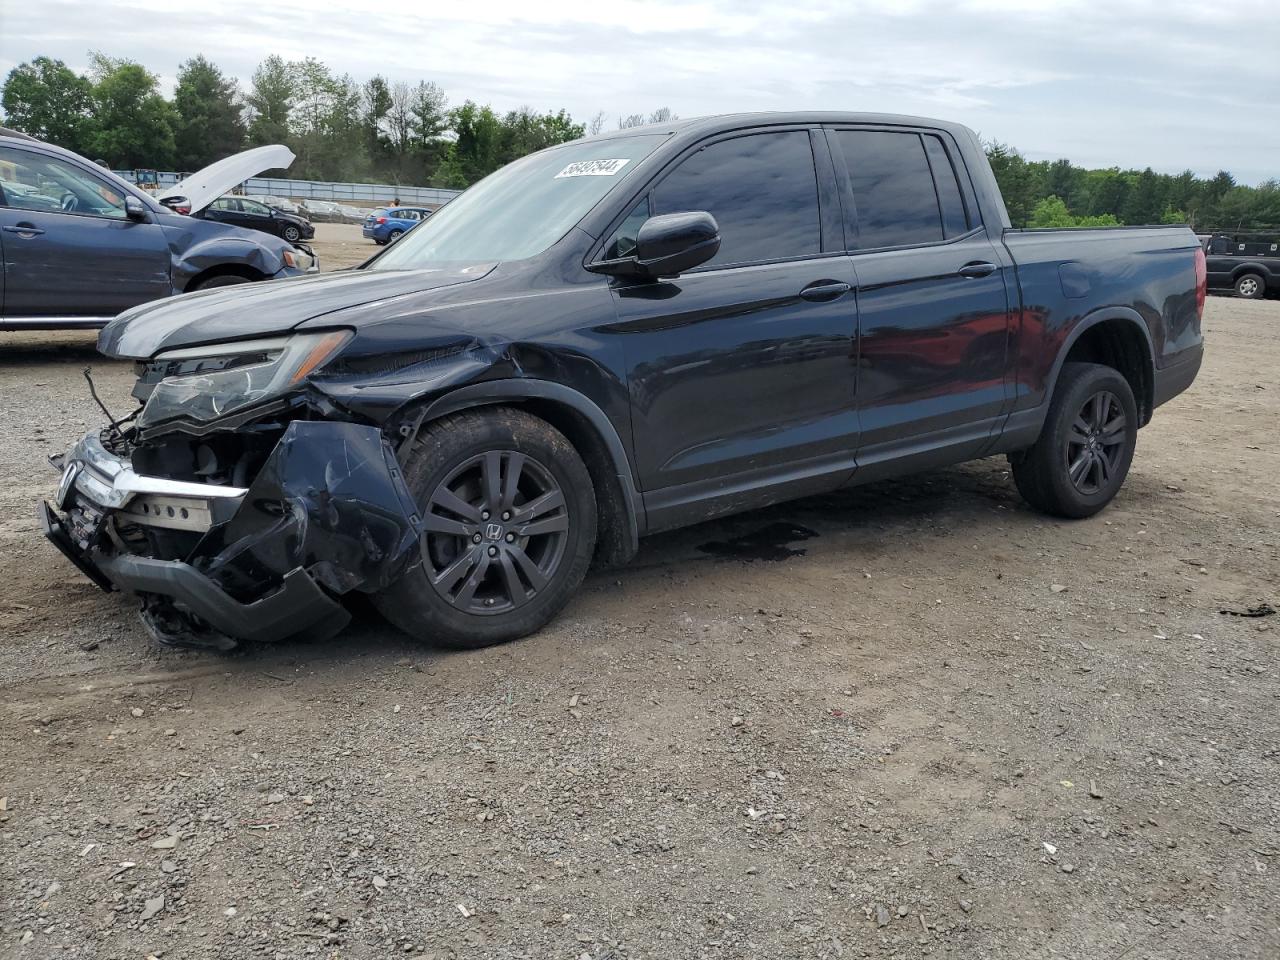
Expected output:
(255, 215)
(606, 339)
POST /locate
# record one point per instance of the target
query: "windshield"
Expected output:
(523, 208)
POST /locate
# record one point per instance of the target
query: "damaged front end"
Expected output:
(228, 506)
(214, 563)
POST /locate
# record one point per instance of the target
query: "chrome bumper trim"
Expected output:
(111, 482)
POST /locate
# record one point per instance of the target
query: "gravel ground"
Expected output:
(933, 724)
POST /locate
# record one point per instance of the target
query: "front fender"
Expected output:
(491, 392)
(193, 259)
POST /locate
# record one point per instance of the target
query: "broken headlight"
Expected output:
(206, 383)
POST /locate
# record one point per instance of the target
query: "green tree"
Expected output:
(209, 124)
(1017, 181)
(1106, 191)
(428, 123)
(1053, 212)
(524, 131)
(375, 105)
(270, 101)
(1063, 180)
(1146, 200)
(477, 147)
(46, 99)
(133, 122)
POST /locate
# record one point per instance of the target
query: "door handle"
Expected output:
(976, 269)
(24, 229)
(822, 290)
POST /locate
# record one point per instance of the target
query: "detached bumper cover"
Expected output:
(328, 513)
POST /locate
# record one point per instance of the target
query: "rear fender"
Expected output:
(1022, 428)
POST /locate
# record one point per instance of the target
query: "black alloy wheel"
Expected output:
(508, 529)
(1090, 432)
(496, 528)
(1096, 442)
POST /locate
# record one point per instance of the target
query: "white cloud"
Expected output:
(1128, 82)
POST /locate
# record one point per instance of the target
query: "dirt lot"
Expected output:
(341, 245)
(942, 726)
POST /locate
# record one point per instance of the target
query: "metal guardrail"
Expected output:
(349, 193)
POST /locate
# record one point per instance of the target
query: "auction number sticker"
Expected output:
(592, 168)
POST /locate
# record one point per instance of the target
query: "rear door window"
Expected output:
(762, 190)
(894, 197)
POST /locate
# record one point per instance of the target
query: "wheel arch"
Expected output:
(1118, 338)
(224, 270)
(1241, 269)
(584, 424)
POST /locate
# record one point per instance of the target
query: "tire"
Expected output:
(524, 578)
(292, 234)
(1066, 478)
(394, 235)
(1251, 286)
(222, 280)
(381, 243)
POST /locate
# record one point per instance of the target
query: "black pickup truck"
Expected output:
(613, 337)
(1247, 263)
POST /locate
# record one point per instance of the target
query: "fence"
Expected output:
(349, 193)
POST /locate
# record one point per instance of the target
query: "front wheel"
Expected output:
(225, 280)
(292, 234)
(509, 518)
(1083, 455)
(1250, 286)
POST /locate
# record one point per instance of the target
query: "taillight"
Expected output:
(1202, 281)
(382, 219)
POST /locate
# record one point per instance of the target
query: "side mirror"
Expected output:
(667, 245)
(135, 209)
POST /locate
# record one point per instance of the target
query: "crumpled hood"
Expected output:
(262, 309)
(208, 184)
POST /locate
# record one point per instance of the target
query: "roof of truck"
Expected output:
(733, 121)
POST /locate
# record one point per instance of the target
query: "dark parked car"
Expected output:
(78, 244)
(253, 215)
(388, 224)
(606, 339)
(1248, 263)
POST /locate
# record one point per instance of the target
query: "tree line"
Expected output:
(1057, 193)
(339, 129)
(383, 131)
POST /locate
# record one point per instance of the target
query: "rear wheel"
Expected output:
(509, 514)
(224, 280)
(1251, 286)
(1083, 455)
(394, 235)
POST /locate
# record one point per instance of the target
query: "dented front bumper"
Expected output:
(327, 513)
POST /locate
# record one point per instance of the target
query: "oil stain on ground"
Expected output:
(767, 543)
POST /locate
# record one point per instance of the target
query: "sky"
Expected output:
(1132, 83)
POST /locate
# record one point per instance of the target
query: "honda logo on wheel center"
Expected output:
(493, 531)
